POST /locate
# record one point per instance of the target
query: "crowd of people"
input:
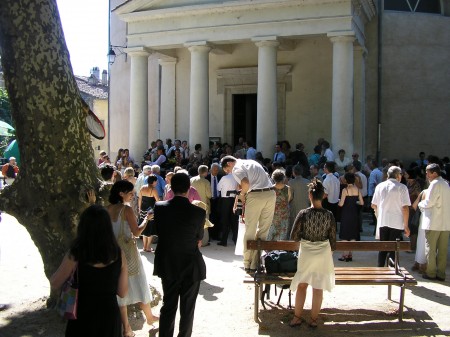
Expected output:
(292, 195)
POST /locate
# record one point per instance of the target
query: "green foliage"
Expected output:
(5, 107)
(5, 116)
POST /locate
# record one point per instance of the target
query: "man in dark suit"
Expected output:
(178, 261)
(214, 177)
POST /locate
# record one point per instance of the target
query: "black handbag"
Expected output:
(280, 261)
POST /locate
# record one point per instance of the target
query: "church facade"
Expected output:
(354, 72)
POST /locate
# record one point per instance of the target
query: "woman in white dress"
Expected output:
(126, 228)
(315, 228)
(420, 260)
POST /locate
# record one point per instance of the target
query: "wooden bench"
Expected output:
(393, 275)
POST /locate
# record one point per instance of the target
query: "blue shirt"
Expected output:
(376, 177)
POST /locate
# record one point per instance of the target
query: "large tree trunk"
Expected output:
(55, 148)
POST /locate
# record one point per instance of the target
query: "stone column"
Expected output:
(138, 133)
(266, 124)
(199, 95)
(359, 101)
(342, 97)
(167, 99)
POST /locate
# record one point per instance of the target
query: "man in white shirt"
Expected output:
(259, 199)
(331, 185)
(357, 170)
(436, 223)
(228, 190)
(391, 205)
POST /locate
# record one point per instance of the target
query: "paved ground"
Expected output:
(225, 304)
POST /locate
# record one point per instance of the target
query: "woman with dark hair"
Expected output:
(101, 269)
(126, 229)
(315, 227)
(148, 196)
(351, 200)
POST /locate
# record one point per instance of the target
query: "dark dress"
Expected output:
(98, 312)
(145, 204)
(349, 228)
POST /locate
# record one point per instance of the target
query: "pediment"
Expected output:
(133, 6)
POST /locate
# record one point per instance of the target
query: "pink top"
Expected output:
(192, 194)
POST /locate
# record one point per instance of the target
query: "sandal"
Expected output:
(298, 321)
(129, 334)
(313, 322)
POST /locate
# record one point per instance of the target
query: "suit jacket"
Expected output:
(299, 190)
(203, 188)
(179, 226)
(219, 176)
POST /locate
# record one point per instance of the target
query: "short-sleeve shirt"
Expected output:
(227, 184)
(331, 185)
(253, 171)
(390, 196)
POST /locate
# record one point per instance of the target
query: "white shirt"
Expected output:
(331, 185)
(329, 154)
(436, 206)
(226, 184)
(341, 164)
(390, 196)
(253, 171)
(364, 183)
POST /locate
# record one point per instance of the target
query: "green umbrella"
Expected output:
(5, 129)
(13, 151)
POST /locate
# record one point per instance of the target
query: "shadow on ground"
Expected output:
(357, 322)
(36, 321)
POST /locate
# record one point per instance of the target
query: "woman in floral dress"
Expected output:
(280, 228)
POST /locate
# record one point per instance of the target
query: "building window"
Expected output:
(417, 6)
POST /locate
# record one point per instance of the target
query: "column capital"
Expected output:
(342, 36)
(198, 46)
(167, 62)
(265, 41)
(138, 51)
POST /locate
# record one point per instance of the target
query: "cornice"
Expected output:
(126, 12)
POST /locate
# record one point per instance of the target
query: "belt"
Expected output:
(262, 189)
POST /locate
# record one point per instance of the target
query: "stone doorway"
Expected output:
(244, 117)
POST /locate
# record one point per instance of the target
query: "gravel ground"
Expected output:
(225, 304)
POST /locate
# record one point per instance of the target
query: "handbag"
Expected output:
(128, 245)
(280, 261)
(68, 300)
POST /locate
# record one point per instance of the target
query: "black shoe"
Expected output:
(440, 279)
(250, 271)
(221, 244)
(426, 277)
(349, 259)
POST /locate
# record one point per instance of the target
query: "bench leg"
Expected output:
(256, 306)
(390, 292)
(279, 297)
(401, 303)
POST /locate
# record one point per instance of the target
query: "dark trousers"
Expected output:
(214, 217)
(186, 291)
(229, 220)
(333, 208)
(388, 234)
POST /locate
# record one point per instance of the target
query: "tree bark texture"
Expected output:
(50, 117)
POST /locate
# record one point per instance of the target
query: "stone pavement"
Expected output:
(225, 304)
